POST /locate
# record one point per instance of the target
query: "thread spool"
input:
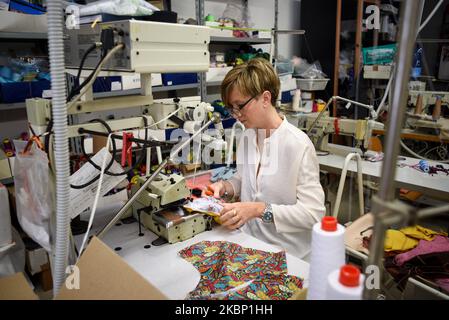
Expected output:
(297, 101)
(424, 166)
(418, 107)
(437, 109)
(345, 283)
(328, 254)
(199, 113)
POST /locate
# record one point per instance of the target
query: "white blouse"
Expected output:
(288, 179)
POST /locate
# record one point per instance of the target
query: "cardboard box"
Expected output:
(133, 81)
(16, 287)
(102, 275)
(105, 275)
(37, 260)
(377, 72)
(217, 74)
(215, 32)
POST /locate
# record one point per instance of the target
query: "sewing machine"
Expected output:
(361, 130)
(159, 209)
(418, 119)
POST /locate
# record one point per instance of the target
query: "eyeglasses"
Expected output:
(236, 111)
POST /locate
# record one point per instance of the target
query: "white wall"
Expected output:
(261, 14)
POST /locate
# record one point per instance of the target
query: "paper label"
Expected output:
(81, 199)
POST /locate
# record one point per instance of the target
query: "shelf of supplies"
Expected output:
(137, 91)
(12, 106)
(240, 40)
(23, 35)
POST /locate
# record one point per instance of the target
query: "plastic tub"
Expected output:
(312, 84)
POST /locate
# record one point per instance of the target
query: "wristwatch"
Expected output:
(267, 215)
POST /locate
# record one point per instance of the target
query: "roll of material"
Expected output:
(5, 218)
(199, 114)
(328, 254)
(339, 288)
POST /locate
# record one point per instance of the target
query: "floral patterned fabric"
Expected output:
(230, 271)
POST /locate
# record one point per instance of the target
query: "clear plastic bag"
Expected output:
(119, 7)
(305, 70)
(236, 13)
(34, 197)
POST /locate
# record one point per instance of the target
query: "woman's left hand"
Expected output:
(234, 215)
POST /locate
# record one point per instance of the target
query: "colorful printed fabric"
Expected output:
(230, 271)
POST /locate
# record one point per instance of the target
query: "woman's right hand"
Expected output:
(216, 189)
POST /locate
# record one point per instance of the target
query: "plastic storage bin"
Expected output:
(173, 79)
(311, 84)
(20, 91)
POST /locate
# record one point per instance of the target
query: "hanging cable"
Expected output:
(97, 196)
(419, 156)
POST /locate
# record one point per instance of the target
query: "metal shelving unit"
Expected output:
(240, 40)
(199, 9)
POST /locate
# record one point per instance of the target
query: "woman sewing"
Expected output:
(277, 179)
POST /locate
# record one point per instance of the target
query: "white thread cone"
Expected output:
(328, 254)
(339, 291)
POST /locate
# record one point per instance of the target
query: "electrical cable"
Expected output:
(76, 90)
(419, 156)
(85, 88)
(94, 75)
(111, 162)
(114, 151)
(97, 197)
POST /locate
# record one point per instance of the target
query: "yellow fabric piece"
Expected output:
(418, 232)
(397, 241)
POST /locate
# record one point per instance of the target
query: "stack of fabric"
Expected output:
(418, 251)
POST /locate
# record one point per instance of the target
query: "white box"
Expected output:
(36, 260)
(217, 74)
(376, 72)
(262, 34)
(215, 32)
(212, 23)
(133, 81)
(288, 83)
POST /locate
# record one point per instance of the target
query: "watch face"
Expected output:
(267, 216)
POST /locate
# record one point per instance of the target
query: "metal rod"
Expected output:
(407, 35)
(130, 201)
(424, 213)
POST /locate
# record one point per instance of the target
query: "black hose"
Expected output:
(114, 153)
(111, 162)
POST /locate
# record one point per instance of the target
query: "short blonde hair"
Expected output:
(251, 78)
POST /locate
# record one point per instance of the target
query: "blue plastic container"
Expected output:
(174, 79)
